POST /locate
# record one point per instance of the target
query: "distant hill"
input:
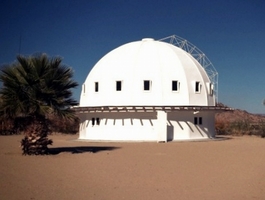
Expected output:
(239, 122)
(238, 115)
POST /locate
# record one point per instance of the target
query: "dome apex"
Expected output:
(147, 39)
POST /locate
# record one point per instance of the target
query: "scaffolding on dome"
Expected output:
(199, 56)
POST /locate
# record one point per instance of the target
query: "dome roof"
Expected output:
(147, 73)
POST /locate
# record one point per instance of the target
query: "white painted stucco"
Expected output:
(160, 63)
(157, 61)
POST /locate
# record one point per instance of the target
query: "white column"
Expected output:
(161, 127)
(82, 129)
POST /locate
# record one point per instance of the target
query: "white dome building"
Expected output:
(148, 91)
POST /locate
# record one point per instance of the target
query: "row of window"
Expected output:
(197, 121)
(147, 84)
(95, 121)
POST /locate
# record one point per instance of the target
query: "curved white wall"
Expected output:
(159, 62)
(147, 126)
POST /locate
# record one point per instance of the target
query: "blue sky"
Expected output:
(230, 33)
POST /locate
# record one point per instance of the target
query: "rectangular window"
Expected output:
(96, 86)
(198, 120)
(93, 121)
(195, 120)
(147, 85)
(175, 86)
(84, 88)
(98, 121)
(118, 85)
(211, 89)
(197, 86)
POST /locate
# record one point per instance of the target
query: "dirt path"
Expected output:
(227, 169)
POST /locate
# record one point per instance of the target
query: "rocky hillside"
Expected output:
(239, 122)
(239, 115)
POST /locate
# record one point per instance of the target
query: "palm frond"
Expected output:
(37, 85)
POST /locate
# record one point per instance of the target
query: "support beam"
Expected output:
(161, 127)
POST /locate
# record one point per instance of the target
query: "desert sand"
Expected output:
(233, 168)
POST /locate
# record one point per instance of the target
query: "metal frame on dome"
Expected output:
(199, 56)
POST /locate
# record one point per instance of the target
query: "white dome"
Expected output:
(172, 77)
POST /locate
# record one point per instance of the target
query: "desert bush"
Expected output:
(7, 127)
(17, 126)
(261, 129)
(221, 127)
(64, 126)
(240, 127)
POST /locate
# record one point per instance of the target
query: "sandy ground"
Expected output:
(227, 169)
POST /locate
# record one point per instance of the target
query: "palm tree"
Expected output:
(35, 88)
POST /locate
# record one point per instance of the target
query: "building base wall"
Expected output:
(147, 126)
(182, 126)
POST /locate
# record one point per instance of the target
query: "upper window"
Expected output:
(118, 85)
(147, 85)
(84, 88)
(96, 86)
(211, 89)
(175, 85)
(197, 87)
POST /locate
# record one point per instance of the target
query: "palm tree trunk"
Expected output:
(36, 139)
